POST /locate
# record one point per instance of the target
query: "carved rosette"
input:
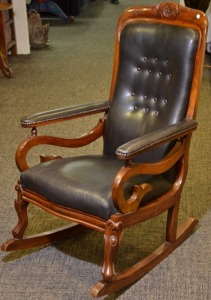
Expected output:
(168, 10)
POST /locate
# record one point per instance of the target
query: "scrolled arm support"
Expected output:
(139, 191)
(30, 142)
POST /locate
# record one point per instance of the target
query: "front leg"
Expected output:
(21, 209)
(112, 238)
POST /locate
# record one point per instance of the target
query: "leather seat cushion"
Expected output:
(85, 183)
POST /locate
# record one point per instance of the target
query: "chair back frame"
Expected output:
(172, 14)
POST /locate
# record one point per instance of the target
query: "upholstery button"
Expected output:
(156, 112)
(155, 99)
(170, 75)
(135, 108)
(145, 58)
(160, 73)
(146, 109)
(145, 97)
(138, 69)
(156, 59)
(165, 101)
(167, 61)
(149, 71)
(132, 94)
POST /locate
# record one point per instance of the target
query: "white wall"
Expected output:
(21, 26)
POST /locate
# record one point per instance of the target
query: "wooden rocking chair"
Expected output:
(146, 127)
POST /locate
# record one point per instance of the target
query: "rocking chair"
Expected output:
(146, 127)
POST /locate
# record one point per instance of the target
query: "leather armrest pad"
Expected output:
(65, 113)
(156, 138)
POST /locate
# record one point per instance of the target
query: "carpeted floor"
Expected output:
(75, 68)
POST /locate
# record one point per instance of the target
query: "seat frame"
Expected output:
(130, 212)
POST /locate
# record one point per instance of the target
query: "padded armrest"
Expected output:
(65, 113)
(156, 138)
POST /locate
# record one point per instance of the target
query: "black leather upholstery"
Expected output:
(152, 92)
(153, 83)
(64, 113)
(84, 183)
(141, 144)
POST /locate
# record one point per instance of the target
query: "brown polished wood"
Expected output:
(138, 270)
(131, 212)
(45, 238)
(7, 36)
(34, 140)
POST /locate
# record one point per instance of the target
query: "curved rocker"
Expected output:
(45, 238)
(137, 271)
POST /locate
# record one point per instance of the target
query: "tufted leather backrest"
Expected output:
(154, 77)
